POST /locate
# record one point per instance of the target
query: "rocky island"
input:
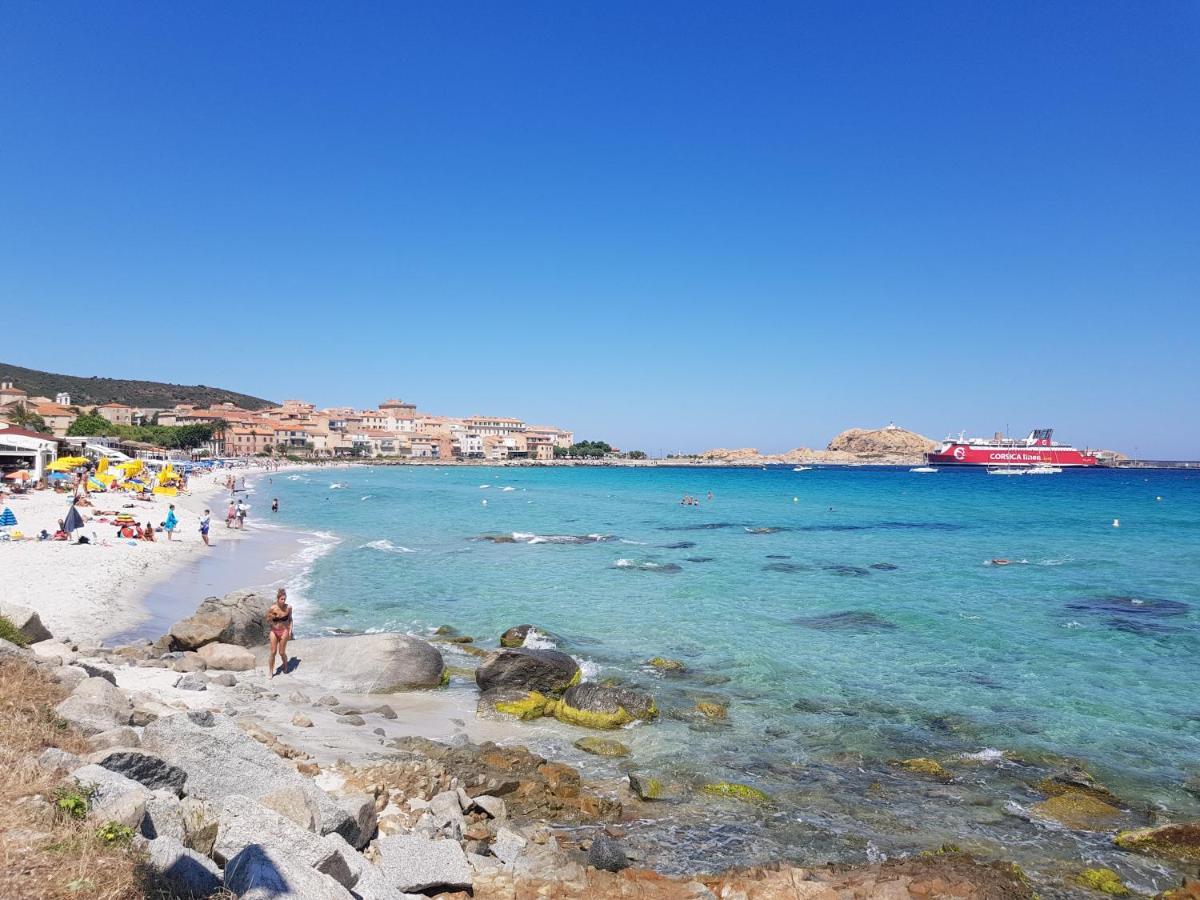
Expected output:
(887, 446)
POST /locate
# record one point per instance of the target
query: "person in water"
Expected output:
(279, 620)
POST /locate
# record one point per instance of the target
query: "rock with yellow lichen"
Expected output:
(922, 765)
(1106, 881)
(1180, 842)
(712, 709)
(743, 792)
(666, 666)
(548, 672)
(598, 706)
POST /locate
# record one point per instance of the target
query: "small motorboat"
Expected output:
(923, 470)
(1044, 470)
(802, 469)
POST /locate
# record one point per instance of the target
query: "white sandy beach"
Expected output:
(93, 590)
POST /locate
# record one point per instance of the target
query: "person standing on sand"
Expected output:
(204, 526)
(241, 515)
(171, 522)
(230, 513)
(279, 620)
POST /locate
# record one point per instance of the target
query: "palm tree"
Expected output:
(24, 417)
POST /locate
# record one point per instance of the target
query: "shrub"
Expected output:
(10, 633)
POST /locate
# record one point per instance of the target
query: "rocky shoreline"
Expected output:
(316, 784)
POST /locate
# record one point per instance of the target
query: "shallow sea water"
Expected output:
(848, 616)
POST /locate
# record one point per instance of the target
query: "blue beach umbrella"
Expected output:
(73, 520)
(7, 519)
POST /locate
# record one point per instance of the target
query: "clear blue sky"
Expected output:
(671, 225)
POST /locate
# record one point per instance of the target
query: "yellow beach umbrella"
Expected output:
(66, 463)
(102, 466)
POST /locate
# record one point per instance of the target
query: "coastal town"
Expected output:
(395, 429)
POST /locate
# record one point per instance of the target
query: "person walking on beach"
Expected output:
(279, 620)
(241, 515)
(171, 522)
(230, 513)
(204, 526)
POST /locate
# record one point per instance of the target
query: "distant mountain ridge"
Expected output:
(149, 394)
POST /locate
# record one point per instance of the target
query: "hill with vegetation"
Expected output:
(150, 394)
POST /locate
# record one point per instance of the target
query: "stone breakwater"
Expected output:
(306, 786)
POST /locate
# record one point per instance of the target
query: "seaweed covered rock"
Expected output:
(1079, 811)
(653, 787)
(599, 746)
(600, 706)
(525, 705)
(1106, 881)
(548, 672)
(666, 666)
(1180, 841)
(515, 636)
(922, 765)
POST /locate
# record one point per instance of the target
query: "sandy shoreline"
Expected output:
(97, 590)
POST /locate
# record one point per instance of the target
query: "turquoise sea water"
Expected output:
(847, 616)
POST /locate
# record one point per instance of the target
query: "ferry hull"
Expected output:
(956, 454)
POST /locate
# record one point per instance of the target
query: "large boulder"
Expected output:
(112, 796)
(264, 872)
(515, 636)
(599, 706)
(413, 863)
(202, 628)
(26, 621)
(370, 663)
(95, 705)
(1179, 841)
(246, 611)
(186, 872)
(244, 823)
(548, 672)
(223, 761)
(230, 657)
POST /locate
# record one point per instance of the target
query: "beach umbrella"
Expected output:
(19, 475)
(66, 463)
(7, 519)
(73, 520)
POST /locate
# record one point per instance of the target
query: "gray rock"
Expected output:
(300, 720)
(142, 717)
(363, 815)
(246, 611)
(384, 710)
(114, 798)
(352, 720)
(199, 629)
(146, 769)
(267, 873)
(26, 621)
(547, 671)
(515, 636)
(446, 809)
(189, 662)
(229, 657)
(293, 804)
(222, 760)
(192, 681)
(95, 705)
(164, 818)
(245, 823)
(70, 677)
(9, 650)
(508, 845)
(327, 700)
(51, 650)
(54, 759)
(371, 663)
(606, 854)
(225, 679)
(483, 864)
(121, 736)
(186, 872)
(413, 863)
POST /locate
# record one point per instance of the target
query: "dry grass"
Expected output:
(45, 853)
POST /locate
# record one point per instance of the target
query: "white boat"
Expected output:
(802, 468)
(924, 470)
(1044, 470)
(1006, 470)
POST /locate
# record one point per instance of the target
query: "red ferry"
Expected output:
(1036, 450)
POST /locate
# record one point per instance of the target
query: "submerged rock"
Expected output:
(743, 792)
(922, 765)
(548, 672)
(599, 746)
(884, 567)
(847, 571)
(666, 666)
(712, 710)
(597, 706)
(1106, 881)
(851, 620)
(651, 787)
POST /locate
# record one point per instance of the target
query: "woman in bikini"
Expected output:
(279, 620)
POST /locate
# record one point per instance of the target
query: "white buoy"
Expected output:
(484, 502)
(1116, 523)
(1158, 498)
(795, 499)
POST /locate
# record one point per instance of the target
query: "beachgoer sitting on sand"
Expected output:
(148, 533)
(279, 620)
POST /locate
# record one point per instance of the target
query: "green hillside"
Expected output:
(152, 394)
